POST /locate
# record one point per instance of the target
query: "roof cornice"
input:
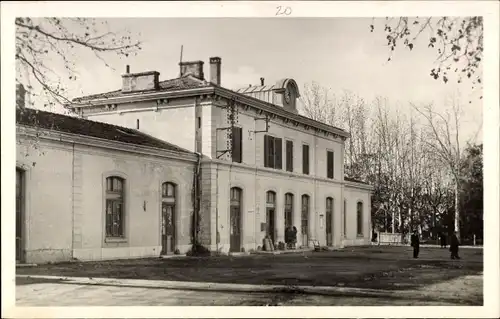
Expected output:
(220, 91)
(268, 107)
(54, 135)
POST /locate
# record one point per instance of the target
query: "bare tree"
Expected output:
(443, 139)
(40, 42)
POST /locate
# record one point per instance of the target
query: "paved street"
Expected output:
(360, 276)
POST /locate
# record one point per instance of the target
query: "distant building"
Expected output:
(245, 160)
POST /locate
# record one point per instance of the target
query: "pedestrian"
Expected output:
(443, 240)
(415, 243)
(454, 243)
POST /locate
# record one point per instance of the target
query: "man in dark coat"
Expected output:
(454, 243)
(443, 240)
(415, 243)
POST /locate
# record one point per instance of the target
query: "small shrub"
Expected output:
(242, 249)
(177, 252)
(259, 248)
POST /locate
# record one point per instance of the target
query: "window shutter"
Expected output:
(289, 156)
(278, 153)
(329, 163)
(271, 151)
(266, 150)
(236, 147)
(305, 159)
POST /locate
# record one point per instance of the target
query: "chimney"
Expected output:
(195, 68)
(262, 81)
(20, 96)
(127, 69)
(215, 64)
(144, 81)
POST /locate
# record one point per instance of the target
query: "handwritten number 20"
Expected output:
(283, 11)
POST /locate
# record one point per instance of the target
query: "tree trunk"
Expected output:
(457, 209)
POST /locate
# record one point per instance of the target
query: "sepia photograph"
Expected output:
(269, 159)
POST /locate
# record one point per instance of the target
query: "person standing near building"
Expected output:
(454, 243)
(415, 243)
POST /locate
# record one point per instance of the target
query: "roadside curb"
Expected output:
(206, 286)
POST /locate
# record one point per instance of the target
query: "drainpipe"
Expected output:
(196, 201)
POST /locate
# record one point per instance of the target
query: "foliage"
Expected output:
(411, 160)
(43, 44)
(472, 192)
(458, 42)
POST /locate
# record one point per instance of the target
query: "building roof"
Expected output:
(79, 126)
(182, 83)
(191, 82)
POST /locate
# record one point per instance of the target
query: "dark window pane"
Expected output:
(329, 163)
(278, 158)
(236, 149)
(305, 159)
(289, 156)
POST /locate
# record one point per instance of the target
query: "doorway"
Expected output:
(19, 215)
(235, 220)
(271, 216)
(168, 205)
(305, 221)
(329, 224)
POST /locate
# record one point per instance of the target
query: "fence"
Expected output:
(391, 239)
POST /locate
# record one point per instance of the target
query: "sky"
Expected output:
(337, 53)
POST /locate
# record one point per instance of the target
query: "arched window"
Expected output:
(168, 190)
(305, 220)
(115, 212)
(345, 219)
(271, 198)
(359, 215)
(288, 210)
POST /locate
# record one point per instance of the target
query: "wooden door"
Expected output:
(329, 234)
(168, 229)
(235, 229)
(270, 222)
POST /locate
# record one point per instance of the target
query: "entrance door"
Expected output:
(168, 234)
(235, 232)
(168, 238)
(235, 221)
(19, 216)
(305, 221)
(270, 231)
(329, 218)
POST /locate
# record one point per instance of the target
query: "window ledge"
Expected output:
(115, 240)
(360, 236)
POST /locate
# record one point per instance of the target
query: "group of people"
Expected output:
(454, 243)
(291, 237)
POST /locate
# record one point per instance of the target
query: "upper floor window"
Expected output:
(329, 164)
(236, 149)
(305, 159)
(289, 156)
(115, 216)
(359, 215)
(272, 152)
